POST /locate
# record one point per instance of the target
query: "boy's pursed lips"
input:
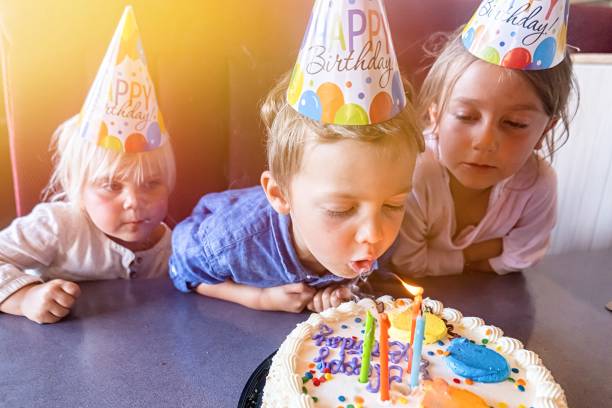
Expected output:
(478, 165)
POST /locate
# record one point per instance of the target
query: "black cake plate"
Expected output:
(253, 390)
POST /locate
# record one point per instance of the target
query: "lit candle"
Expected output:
(417, 292)
(384, 356)
(417, 348)
(416, 309)
(368, 340)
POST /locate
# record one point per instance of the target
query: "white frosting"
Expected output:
(527, 358)
(549, 389)
(471, 323)
(284, 384)
(491, 333)
(435, 306)
(453, 316)
(538, 373)
(507, 345)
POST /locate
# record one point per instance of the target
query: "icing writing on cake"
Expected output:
(349, 351)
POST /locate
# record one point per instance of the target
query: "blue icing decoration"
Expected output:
(475, 362)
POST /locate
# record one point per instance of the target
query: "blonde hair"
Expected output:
(288, 132)
(77, 162)
(553, 85)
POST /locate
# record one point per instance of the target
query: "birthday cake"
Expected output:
(463, 362)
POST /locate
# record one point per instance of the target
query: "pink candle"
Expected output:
(416, 310)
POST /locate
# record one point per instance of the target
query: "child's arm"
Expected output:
(45, 302)
(289, 298)
(31, 242)
(414, 253)
(477, 255)
(425, 221)
(528, 241)
(330, 296)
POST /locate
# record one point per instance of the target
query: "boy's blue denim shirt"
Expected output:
(237, 235)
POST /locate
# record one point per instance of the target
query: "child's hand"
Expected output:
(330, 296)
(288, 298)
(49, 302)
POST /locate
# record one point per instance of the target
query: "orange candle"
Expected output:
(384, 356)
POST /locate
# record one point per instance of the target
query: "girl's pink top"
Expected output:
(521, 211)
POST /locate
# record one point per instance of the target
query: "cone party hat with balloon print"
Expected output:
(520, 34)
(346, 71)
(121, 111)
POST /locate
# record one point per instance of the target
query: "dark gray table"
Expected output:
(144, 344)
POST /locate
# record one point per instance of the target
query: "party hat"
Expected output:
(346, 72)
(121, 111)
(521, 34)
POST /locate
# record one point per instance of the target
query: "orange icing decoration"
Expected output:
(438, 394)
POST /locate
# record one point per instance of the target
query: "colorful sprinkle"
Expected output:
(440, 343)
(316, 382)
(511, 379)
(358, 320)
(328, 376)
(315, 399)
(308, 374)
(488, 332)
(485, 341)
(515, 370)
(326, 370)
(521, 388)
(305, 380)
(342, 398)
(350, 406)
(521, 382)
(502, 405)
(469, 381)
(431, 353)
(439, 351)
(344, 326)
(456, 381)
(358, 399)
(402, 400)
(304, 390)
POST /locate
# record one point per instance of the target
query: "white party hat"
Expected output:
(346, 72)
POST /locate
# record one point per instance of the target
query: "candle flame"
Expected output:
(414, 290)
